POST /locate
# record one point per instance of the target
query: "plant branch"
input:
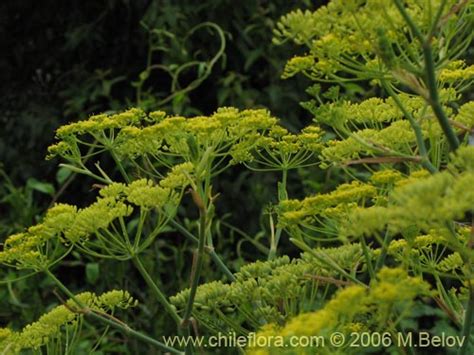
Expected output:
(209, 250)
(110, 321)
(156, 290)
(434, 98)
(430, 78)
(197, 267)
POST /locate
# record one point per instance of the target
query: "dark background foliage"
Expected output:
(65, 60)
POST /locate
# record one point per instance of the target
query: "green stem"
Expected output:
(196, 272)
(367, 257)
(326, 260)
(274, 245)
(86, 172)
(210, 251)
(221, 264)
(282, 195)
(434, 98)
(120, 166)
(416, 128)
(272, 252)
(253, 240)
(381, 260)
(156, 291)
(413, 27)
(122, 327)
(437, 17)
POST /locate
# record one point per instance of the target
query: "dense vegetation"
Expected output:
(350, 215)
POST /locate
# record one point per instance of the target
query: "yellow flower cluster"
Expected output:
(102, 122)
(279, 287)
(190, 137)
(456, 71)
(359, 40)
(66, 223)
(297, 65)
(400, 247)
(294, 212)
(463, 159)
(150, 141)
(377, 127)
(179, 177)
(465, 115)
(52, 325)
(98, 216)
(426, 202)
(389, 298)
(397, 137)
(32, 249)
(386, 177)
(280, 149)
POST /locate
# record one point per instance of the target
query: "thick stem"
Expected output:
(110, 322)
(413, 27)
(282, 195)
(434, 98)
(156, 291)
(210, 251)
(196, 272)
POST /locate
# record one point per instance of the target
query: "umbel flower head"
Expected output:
(62, 321)
(149, 142)
(278, 287)
(425, 202)
(282, 150)
(39, 245)
(369, 38)
(100, 127)
(99, 229)
(203, 144)
(378, 128)
(389, 299)
(321, 213)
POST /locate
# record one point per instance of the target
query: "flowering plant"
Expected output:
(391, 243)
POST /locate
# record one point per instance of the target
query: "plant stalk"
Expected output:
(210, 251)
(124, 328)
(196, 272)
(156, 290)
(433, 98)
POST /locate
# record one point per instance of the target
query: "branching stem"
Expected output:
(156, 290)
(109, 321)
